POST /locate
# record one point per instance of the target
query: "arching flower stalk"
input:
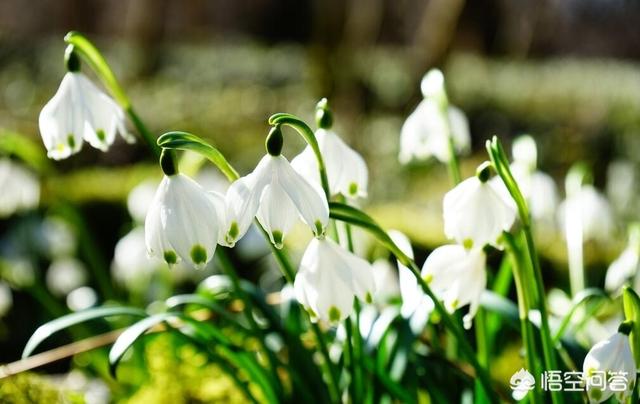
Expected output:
(346, 169)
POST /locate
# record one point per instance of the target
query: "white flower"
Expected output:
(82, 298)
(416, 305)
(386, 280)
(131, 265)
(183, 221)
(608, 358)
(329, 278)
(65, 275)
(424, 133)
(475, 214)
(624, 268)
(458, 276)
(20, 188)
(278, 195)
(80, 110)
(589, 210)
(346, 169)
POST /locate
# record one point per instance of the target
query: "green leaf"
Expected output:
(590, 295)
(197, 300)
(46, 330)
(188, 141)
(631, 303)
(502, 306)
(27, 150)
(132, 334)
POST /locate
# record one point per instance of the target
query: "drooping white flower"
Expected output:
(278, 195)
(183, 221)
(426, 131)
(346, 169)
(80, 110)
(475, 214)
(458, 276)
(416, 305)
(329, 278)
(20, 188)
(612, 361)
(588, 211)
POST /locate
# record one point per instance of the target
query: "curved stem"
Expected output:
(98, 63)
(307, 134)
(188, 141)
(526, 329)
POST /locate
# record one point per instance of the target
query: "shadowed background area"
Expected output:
(566, 72)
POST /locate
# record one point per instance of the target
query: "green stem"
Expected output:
(188, 141)
(482, 349)
(95, 260)
(289, 275)
(528, 336)
(356, 217)
(501, 164)
(146, 135)
(228, 269)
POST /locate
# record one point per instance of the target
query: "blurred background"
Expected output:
(566, 72)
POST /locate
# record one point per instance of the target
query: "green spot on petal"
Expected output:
(71, 140)
(319, 229)
(455, 303)
(353, 188)
(368, 298)
(595, 393)
(467, 243)
(198, 254)
(101, 135)
(428, 278)
(277, 238)
(233, 233)
(334, 314)
(170, 257)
